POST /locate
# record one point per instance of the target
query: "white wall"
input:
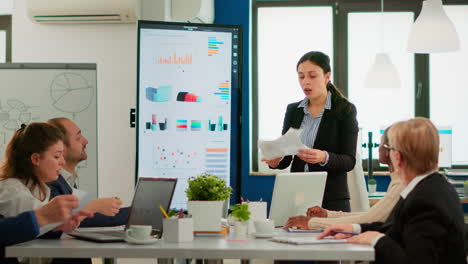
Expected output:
(113, 48)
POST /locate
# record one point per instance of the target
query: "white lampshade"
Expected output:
(433, 31)
(382, 74)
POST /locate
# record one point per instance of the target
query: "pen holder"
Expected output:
(177, 230)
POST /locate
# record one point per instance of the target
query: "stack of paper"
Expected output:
(287, 144)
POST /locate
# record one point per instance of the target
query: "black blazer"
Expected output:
(337, 134)
(427, 226)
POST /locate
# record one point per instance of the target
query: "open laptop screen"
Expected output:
(150, 193)
(294, 192)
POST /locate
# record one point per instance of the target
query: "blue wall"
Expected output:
(237, 13)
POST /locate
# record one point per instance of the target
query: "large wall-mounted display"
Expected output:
(188, 102)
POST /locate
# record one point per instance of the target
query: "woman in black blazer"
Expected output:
(427, 224)
(330, 130)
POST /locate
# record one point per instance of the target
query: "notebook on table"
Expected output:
(149, 194)
(294, 192)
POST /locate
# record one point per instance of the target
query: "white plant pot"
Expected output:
(206, 215)
(240, 229)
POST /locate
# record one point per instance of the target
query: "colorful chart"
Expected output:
(216, 161)
(160, 94)
(195, 125)
(155, 125)
(181, 125)
(167, 158)
(213, 46)
(224, 90)
(174, 59)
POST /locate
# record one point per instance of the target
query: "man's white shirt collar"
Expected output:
(409, 188)
(69, 177)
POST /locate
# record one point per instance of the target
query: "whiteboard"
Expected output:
(36, 92)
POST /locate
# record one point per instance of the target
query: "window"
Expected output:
(2, 46)
(280, 45)
(449, 87)
(6, 8)
(433, 85)
(378, 108)
(5, 38)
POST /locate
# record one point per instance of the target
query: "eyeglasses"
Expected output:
(389, 147)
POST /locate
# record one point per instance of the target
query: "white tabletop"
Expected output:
(200, 248)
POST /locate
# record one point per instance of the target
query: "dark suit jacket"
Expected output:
(337, 134)
(14, 230)
(427, 227)
(61, 186)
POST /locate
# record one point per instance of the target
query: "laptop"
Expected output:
(294, 192)
(149, 194)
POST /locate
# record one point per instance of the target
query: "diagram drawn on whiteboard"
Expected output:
(71, 93)
(14, 113)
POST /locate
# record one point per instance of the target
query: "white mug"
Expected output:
(139, 232)
(264, 226)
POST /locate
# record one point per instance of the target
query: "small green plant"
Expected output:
(241, 212)
(207, 187)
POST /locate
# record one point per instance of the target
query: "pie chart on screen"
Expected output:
(71, 93)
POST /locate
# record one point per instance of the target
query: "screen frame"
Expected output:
(236, 96)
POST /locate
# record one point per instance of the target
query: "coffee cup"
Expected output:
(264, 227)
(139, 232)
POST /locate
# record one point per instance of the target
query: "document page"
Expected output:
(287, 144)
(83, 199)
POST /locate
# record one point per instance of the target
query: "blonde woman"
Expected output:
(427, 223)
(318, 218)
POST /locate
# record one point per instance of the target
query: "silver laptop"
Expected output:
(150, 193)
(294, 192)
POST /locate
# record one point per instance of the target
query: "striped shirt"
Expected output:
(310, 125)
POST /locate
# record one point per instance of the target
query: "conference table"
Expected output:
(202, 247)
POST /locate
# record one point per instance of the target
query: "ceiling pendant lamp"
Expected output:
(382, 74)
(433, 31)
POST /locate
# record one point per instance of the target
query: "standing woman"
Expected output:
(330, 130)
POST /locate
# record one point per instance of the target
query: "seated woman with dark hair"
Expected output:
(427, 223)
(33, 158)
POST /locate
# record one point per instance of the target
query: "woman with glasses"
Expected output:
(318, 218)
(427, 223)
(330, 129)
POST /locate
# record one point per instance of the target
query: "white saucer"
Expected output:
(263, 235)
(141, 242)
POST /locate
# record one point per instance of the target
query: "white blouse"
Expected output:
(16, 198)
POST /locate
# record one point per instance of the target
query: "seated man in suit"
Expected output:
(75, 152)
(26, 225)
(427, 225)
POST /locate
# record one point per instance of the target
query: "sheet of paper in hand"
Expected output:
(287, 144)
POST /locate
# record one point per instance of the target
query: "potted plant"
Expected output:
(206, 194)
(241, 215)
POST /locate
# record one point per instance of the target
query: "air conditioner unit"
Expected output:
(83, 11)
